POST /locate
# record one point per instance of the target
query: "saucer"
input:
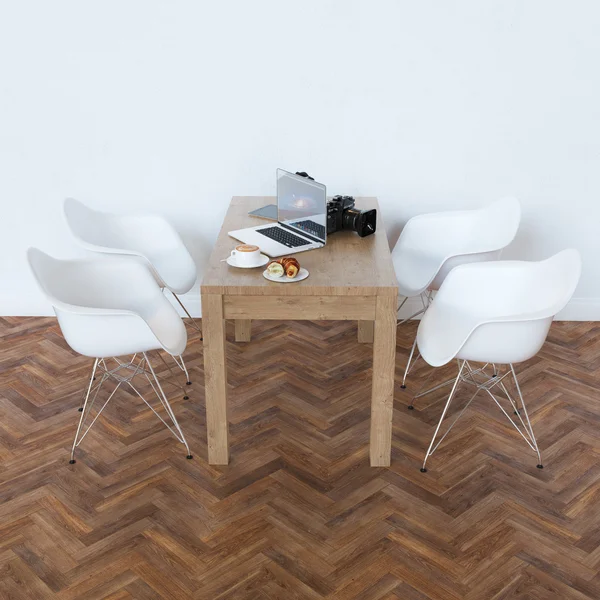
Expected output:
(261, 263)
(302, 274)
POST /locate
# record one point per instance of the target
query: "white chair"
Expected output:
(107, 309)
(149, 237)
(431, 245)
(495, 313)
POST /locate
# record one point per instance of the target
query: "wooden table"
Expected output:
(351, 279)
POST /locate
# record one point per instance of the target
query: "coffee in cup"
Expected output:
(246, 255)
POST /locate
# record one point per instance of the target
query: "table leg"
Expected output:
(365, 332)
(382, 399)
(215, 376)
(243, 330)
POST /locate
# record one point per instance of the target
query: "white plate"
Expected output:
(263, 261)
(302, 274)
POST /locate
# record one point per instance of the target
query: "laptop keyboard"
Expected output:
(281, 235)
(311, 227)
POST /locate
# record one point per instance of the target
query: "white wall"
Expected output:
(175, 106)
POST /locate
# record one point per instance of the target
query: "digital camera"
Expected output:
(341, 214)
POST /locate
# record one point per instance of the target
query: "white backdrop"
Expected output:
(175, 106)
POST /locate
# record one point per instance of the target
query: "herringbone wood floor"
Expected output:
(298, 513)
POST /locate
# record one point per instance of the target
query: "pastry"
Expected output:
(275, 269)
(291, 267)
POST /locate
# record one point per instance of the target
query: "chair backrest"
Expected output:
(108, 307)
(148, 236)
(448, 239)
(513, 289)
(456, 232)
(119, 234)
(80, 286)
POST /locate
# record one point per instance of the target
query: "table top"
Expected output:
(347, 265)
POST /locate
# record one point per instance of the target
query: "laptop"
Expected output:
(301, 218)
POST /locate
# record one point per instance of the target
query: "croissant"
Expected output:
(290, 265)
(275, 269)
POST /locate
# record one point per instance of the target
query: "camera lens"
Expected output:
(350, 219)
(363, 222)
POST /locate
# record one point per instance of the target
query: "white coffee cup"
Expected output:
(246, 255)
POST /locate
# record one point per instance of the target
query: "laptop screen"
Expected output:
(302, 204)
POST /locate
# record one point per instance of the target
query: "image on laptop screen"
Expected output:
(302, 204)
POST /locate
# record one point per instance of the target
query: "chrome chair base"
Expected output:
(483, 381)
(124, 373)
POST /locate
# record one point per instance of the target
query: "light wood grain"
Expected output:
(366, 331)
(243, 330)
(382, 397)
(312, 308)
(351, 278)
(347, 266)
(215, 376)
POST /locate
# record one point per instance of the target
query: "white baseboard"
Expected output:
(578, 309)
(36, 306)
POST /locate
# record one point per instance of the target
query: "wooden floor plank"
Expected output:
(298, 512)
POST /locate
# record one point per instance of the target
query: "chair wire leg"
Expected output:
(193, 323)
(401, 305)
(539, 465)
(184, 369)
(93, 378)
(163, 398)
(419, 312)
(425, 301)
(185, 396)
(450, 397)
(516, 409)
(429, 391)
(182, 366)
(83, 413)
(407, 369)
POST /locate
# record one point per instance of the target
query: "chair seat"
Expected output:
(166, 325)
(109, 307)
(497, 312)
(442, 332)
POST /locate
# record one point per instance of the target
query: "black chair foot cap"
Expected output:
(94, 379)
(403, 386)
(495, 375)
(80, 409)
(516, 412)
(540, 466)
(189, 457)
(411, 407)
(188, 383)
(423, 470)
(72, 462)
(186, 397)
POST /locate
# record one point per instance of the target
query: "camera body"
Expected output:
(341, 215)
